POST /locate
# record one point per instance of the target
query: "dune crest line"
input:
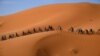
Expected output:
(49, 28)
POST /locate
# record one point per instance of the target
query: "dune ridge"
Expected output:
(53, 43)
(60, 14)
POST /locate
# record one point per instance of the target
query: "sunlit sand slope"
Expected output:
(22, 46)
(70, 44)
(52, 44)
(77, 15)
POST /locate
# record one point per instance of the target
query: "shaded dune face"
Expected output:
(79, 15)
(52, 43)
(68, 44)
(22, 46)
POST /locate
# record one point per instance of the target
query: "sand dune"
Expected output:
(22, 46)
(65, 43)
(52, 43)
(1, 22)
(76, 15)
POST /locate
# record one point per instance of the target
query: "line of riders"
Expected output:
(84, 31)
(33, 31)
(49, 28)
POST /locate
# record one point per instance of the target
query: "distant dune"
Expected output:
(76, 15)
(52, 43)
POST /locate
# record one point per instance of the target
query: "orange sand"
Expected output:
(53, 43)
